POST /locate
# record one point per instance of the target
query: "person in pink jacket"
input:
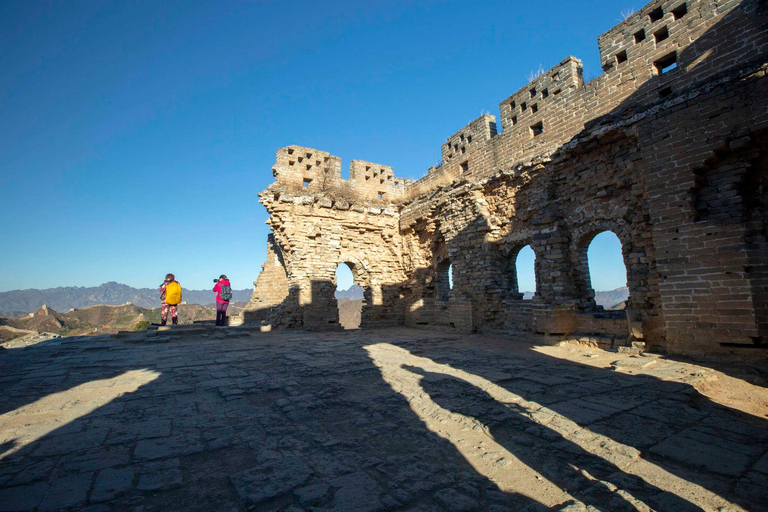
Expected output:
(223, 291)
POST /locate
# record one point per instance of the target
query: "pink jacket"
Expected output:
(217, 289)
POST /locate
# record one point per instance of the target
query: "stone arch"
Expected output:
(359, 267)
(582, 237)
(511, 252)
(361, 276)
(443, 279)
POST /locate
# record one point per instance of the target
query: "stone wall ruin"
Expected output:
(666, 149)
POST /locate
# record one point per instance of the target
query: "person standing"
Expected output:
(223, 291)
(170, 297)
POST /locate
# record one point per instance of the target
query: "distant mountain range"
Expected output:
(69, 297)
(607, 299)
(354, 292)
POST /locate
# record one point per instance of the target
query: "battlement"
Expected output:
(648, 29)
(298, 167)
(475, 133)
(527, 106)
(649, 58)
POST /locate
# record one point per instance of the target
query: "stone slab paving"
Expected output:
(359, 421)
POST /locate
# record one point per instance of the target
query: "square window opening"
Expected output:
(514, 120)
(309, 156)
(544, 93)
(680, 11)
(381, 195)
(665, 92)
(533, 92)
(290, 151)
(534, 108)
(306, 183)
(656, 14)
(465, 166)
(523, 106)
(666, 63)
(309, 166)
(639, 36)
(463, 150)
(291, 162)
(661, 35)
(621, 57)
(557, 92)
(537, 129)
(469, 139)
(512, 105)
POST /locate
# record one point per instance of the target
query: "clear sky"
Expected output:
(135, 136)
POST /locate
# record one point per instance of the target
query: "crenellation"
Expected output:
(552, 85)
(300, 170)
(667, 149)
(476, 133)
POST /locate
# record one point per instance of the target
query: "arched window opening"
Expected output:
(525, 270)
(607, 272)
(444, 280)
(349, 297)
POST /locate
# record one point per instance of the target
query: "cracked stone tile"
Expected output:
(166, 447)
(270, 479)
(66, 492)
(703, 455)
(110, 482)
(160, 475)
(357, 492)
(23, 497)
(71, 443)
(454, 501)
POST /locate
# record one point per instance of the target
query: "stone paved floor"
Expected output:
(359, 421)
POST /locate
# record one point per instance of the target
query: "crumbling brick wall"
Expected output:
(666, 149)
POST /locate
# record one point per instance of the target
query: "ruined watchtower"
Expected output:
(666, 149)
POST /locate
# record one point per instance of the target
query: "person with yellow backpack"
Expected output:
(170, 296)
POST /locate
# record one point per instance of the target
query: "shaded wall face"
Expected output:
(710, 233)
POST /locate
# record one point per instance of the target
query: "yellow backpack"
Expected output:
(173, 293)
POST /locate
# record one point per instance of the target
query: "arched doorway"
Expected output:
(607, 272)
(444, 280)
(525, 273)
(349, 296)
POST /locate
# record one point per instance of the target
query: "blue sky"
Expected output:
(135, 137)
